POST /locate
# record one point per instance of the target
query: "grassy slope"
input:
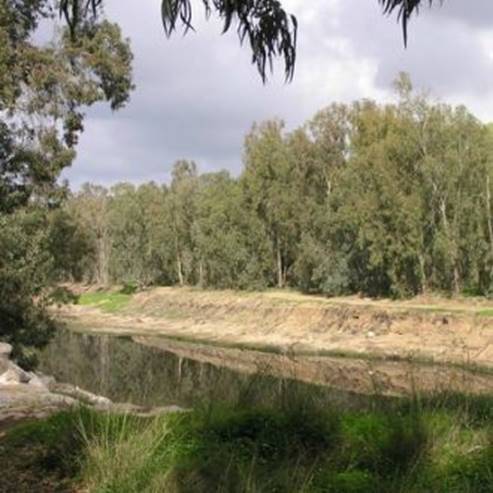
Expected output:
(113, 301)
(304, 324)
(440, 445)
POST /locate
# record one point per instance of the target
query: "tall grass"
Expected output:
(439, 444)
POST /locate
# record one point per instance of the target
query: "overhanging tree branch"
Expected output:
(270, 31)
(405, 9)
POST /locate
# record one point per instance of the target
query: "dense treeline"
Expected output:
(386, 200)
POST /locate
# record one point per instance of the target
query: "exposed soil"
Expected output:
(431, 329)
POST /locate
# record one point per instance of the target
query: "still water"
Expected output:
(160, 372)
(127, 371)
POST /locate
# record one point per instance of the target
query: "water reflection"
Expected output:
(126, 371)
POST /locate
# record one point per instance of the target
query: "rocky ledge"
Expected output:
(28, 395)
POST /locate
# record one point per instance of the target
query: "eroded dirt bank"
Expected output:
(439, 331)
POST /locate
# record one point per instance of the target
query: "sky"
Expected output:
(198, 95)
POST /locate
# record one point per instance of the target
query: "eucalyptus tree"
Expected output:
(270, 188)
(377, 205)
(70, 245)
(319, 151)
(182, 210)
(231, 248)
(268, 28)
(140, 233)
(44, 89)
(453, 170)
(158, 251)
(128, 236)
(90, 209)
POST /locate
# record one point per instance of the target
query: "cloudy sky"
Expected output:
(198, 95)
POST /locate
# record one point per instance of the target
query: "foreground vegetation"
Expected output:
(442, 444)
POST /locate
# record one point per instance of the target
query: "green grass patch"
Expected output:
(436, 444)
(106, 301)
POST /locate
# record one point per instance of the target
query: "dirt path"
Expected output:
(458, 332)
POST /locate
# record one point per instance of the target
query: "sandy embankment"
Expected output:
(439, 331)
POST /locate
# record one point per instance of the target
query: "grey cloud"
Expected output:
(474, 13)
(443, 54)
(198, 95)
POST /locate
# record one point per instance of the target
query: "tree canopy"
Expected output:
(379, 199)
(270, 31)
(44, 90)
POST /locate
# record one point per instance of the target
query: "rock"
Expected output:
(9, 377)
(47, 380)
(5, 350)
(27, 395)
(146, 412)
(81, 395)
(37, 381)
(14, 375)
(371, 334)
(21, 402)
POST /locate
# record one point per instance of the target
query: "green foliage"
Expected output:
(264, 24)
(320, 270)
(384, 200)
(440, 444)
(384, 444)
(129, 288)
(270, 31)
(25, 265)
(70, 246)
(44, 88)
(63, 296)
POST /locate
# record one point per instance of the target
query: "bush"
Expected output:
(63, 296)
(320, 270)
(130, 287)
(24, 272)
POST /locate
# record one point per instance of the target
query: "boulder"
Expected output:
(82, 396)
(5, 351)
(37, 381)
(46, 380)
(14, 375)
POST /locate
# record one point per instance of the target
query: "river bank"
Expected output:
(392, 348)
(263, 418)
(432, 329)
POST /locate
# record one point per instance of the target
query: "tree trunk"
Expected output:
(102, 274)
(179, 270)
(201, 274)
(423, 280)
(488, 212)
(280, 277)
(453, 253)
